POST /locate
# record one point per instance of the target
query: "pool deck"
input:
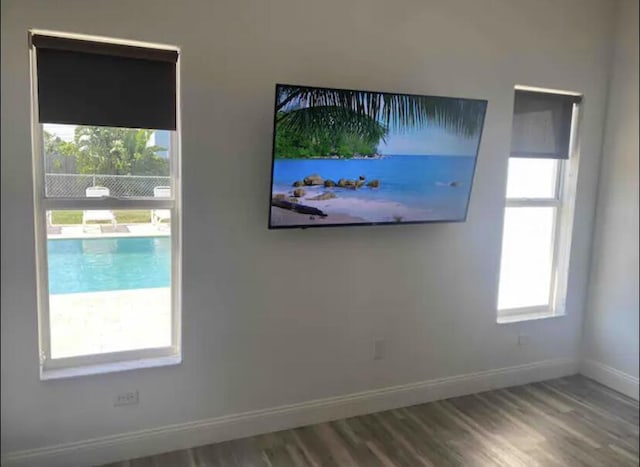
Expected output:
(110, 321)
(107, 231)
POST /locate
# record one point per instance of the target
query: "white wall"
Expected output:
(611, 327)
(278, 317)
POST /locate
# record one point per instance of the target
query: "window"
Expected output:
(538, 219)
(107, 203)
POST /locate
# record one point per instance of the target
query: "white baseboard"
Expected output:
(185, 435)
(609, 376)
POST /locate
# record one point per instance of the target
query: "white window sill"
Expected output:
(100, 368)
(507, 318)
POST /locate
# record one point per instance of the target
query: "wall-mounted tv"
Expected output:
(348, 157)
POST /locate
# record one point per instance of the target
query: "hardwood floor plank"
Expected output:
(498, 421)
(458, 444)
(556, 403)
(381, 456)
(520, 429)
(338, 448)
(278, 455)
(355, 438)
(429, 445)
(143, 462)
(567, 422)
(387, 448)
(386, 420)
(631, 456)
(297, 456)
(593, 412)
(246, 453)
(312, 460)
(315, 445)
(495, 444)
(174, 458)
(346, 432)
(207, 456)
(601, 397)
(565, 428)
(362, 452)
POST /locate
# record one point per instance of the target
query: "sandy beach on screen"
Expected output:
(284, 217)
(348, 210)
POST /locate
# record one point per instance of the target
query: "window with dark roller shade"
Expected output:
(105, 126)
(104, 84)
(537, 228)
(542, 124)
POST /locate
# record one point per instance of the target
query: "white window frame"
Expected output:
(564, 203)
(51, 368)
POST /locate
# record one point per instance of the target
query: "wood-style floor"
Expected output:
(570, 421)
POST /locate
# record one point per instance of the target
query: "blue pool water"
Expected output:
(98, 264)
(414, 181)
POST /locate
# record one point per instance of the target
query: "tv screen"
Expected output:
(346, 157)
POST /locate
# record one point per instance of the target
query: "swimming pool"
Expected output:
(100, 264)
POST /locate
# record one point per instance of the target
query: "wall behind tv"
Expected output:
(280, 317)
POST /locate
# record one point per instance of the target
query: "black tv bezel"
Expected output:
(365, 224)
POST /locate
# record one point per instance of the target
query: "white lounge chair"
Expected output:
(158, 216)
(100, 215)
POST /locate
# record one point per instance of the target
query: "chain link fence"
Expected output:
(125, 186)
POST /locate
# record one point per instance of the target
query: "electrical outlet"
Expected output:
(523, 339)
(126, 398)
(379, 349)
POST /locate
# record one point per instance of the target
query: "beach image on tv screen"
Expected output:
(358, 157)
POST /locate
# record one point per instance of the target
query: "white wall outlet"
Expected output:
(523, 339)
(126, 398)
(379, 349)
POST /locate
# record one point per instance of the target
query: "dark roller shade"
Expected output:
(94, 83)
(542, 124)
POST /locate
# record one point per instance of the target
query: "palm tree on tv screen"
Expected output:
(316, 112)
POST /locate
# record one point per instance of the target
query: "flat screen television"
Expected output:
(346, 157)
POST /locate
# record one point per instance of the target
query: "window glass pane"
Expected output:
(109, 281)
(532, 178)
(85, 161)
(527, 251)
